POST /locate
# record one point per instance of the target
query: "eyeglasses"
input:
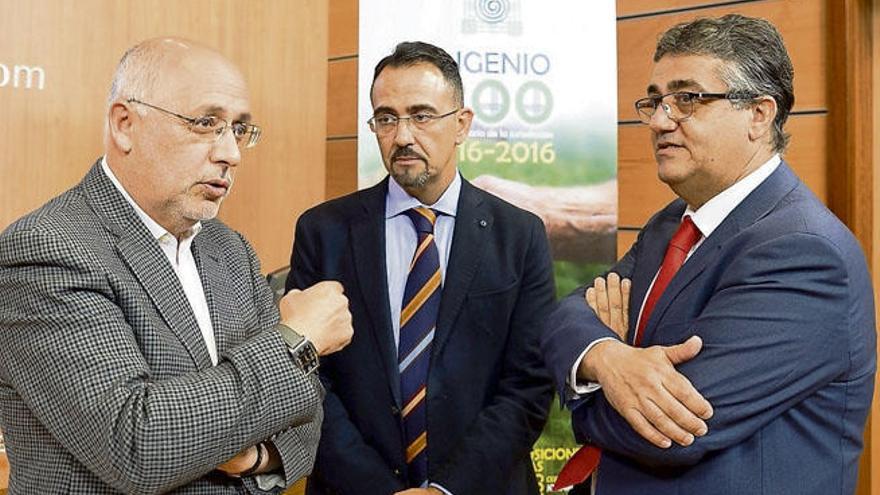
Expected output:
(386, 123)
(680, 104)
(246, 135)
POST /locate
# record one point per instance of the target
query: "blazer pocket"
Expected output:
(491, 291)
(490, 308)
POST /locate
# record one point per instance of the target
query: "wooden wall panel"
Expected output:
(286, 174)
(342, 105)
(343, 28)
(850, 103)
(626, 8)
(625, 240)
(341, 167)
(637, 170)
(803, 24)
(870, 470)
(342, 80)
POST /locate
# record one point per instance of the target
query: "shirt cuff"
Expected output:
(269, 481)
(581, 389)
(440, 487)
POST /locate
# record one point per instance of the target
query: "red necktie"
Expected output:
(676, 252)
(586, 459)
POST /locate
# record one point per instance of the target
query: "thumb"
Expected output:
(684, 351)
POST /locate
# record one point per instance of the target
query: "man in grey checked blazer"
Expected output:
(140, 351)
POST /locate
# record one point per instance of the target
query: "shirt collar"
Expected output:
(709, 216)
(398, 201)
(157, 231)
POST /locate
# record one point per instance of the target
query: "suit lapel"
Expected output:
(212, 272)
(473, 226)
(754, 207)
(651, 256)
(145, 259)
(368, 251)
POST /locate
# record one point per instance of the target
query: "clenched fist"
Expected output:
(320, 313)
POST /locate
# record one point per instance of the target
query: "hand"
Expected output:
(242, 461)
(320, 313)
(420, 491)
(610, 302)
(643, 386)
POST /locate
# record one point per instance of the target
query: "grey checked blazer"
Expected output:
(106, 385)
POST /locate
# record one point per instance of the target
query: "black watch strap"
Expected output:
(303, 351)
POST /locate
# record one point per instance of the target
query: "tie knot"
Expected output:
(423, 219)
(686, 236)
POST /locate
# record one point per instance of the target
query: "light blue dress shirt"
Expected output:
(401, 240)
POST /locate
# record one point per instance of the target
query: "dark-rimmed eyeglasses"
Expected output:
(246, 135)
(679, 105)
(386, 123)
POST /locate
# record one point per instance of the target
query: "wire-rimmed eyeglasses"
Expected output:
(246, 135)
(679, 105)
(386, 123)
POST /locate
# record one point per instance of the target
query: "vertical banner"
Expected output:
(541, 78)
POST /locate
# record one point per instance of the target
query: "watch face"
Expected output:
(306, 357)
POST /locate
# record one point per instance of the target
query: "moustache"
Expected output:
(406, 153)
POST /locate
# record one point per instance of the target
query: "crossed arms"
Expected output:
(768, 335)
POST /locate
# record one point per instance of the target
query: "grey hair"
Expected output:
(137, 73)
(757, 61)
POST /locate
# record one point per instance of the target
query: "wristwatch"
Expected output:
(304, 353)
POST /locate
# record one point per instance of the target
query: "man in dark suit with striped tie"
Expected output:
(442, 389)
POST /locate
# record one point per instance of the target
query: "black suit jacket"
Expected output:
(488, 392)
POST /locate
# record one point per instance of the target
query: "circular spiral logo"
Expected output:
(492, 11)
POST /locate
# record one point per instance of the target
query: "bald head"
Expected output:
(156, 61)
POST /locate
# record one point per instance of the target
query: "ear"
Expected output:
(464, 120)
(763, 114)
(119, 121)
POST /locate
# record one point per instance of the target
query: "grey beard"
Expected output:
(418, 181)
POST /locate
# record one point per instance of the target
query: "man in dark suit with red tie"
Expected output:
(748, 364)
(442, 389)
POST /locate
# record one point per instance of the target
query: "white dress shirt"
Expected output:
(179, 254)
(707, 218)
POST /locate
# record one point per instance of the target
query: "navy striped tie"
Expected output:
(418, 316)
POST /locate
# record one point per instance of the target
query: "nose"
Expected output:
(661, 121)
(403, 135)
(226, 148)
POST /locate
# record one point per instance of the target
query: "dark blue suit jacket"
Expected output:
(781, 296)
(488, 391)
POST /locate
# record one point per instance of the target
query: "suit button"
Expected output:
(395, 411)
